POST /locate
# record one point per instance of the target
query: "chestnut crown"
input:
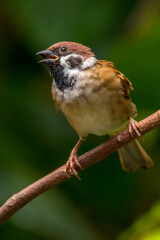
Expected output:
(65, 48)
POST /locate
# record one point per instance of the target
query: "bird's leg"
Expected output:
(134, 128)
(73, 160)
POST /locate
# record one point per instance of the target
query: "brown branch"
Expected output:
(20, 199)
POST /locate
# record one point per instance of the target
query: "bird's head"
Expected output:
(68, 55)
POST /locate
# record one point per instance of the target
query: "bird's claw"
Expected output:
(70, 165)
(134, 129)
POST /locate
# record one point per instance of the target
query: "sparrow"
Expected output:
(95, 98)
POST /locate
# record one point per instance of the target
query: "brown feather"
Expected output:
(108, 67)
(133, 156)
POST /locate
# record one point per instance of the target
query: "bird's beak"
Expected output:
(50, 57)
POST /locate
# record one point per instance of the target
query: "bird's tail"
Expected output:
(133, 156)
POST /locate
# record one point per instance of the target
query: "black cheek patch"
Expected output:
(74, 61)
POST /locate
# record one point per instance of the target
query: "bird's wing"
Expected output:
(108, 72)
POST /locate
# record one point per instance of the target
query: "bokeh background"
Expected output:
(108, 204)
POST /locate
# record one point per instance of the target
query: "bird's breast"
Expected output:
(90, 108)
(76, 83)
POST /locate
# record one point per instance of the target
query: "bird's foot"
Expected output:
(134, 129)
(72, 164)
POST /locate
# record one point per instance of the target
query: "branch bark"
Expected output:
(20, 199)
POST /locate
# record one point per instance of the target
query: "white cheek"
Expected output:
(89, 62)
(64, 59)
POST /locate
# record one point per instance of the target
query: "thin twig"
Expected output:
(20, 199)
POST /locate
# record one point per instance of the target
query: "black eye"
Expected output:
(63, 49)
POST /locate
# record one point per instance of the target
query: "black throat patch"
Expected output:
(62, 80)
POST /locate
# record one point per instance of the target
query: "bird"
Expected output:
(95, 98)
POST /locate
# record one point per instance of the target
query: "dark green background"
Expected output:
(35, 139)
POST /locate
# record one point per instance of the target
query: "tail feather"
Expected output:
(133, 156)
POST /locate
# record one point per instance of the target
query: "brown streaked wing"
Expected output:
(110, 72)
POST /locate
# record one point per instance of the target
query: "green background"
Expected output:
(35, 139)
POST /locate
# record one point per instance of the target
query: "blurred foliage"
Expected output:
(35, 139)
(147, 227)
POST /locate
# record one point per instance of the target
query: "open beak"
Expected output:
(50, 57)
